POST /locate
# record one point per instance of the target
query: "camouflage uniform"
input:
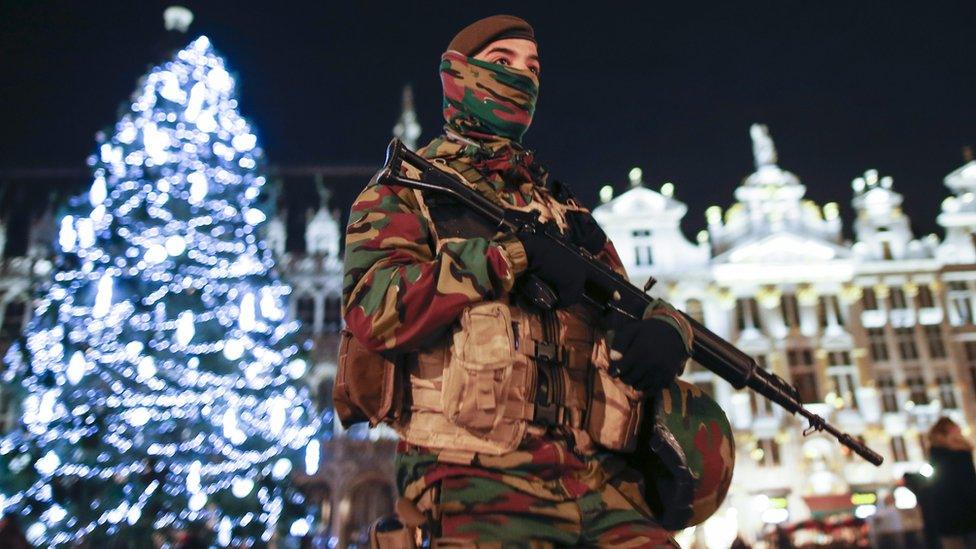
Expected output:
(404, 289)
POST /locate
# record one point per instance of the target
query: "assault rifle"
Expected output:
(608, 291)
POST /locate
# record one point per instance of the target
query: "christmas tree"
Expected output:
(161, 381)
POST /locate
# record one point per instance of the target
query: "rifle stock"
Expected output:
(608, 291)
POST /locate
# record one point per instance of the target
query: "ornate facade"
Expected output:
(877, 333)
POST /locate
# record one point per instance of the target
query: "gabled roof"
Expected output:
(783, 247)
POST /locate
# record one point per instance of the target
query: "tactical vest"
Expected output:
(504, 371)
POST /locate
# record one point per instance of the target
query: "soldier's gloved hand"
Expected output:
(550, 263)
(646, 354)
(586, 232)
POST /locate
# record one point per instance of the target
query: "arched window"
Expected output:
(333, 313)
(13, 320)
(305, 313)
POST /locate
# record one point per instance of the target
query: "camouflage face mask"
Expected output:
(485, 100)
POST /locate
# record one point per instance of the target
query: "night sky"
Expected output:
(671, 87)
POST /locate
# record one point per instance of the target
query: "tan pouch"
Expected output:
(615, 408)
(479, 373)
(366, 387)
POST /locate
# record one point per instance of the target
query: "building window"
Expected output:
(877, 344)
(305, 311)
(897, 296)
(333, 312)
(905, 336)
(970, 351)
(642, 247)
(889, 393)
(916, 388)
(827, 308)
(803, 373)
(925, 298)
(869, 299)
(768, 450)
(844, 387)
(898, 450)
(839, 358)
(791, 310)
(13, 320)
(960, 302)
(694, 309)
(746, 313)
(947, 390)
(933, 335)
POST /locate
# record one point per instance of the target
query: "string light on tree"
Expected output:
(159, 374)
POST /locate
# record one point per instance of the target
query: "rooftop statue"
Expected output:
(763, 148)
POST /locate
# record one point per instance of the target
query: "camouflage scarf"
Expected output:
(485, 100)
(488, 107)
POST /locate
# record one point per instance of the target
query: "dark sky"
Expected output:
(669, 86)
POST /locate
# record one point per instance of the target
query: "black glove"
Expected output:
(585, 231)
(549, 262)
(651, 353)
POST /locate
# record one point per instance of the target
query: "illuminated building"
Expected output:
(877, 333)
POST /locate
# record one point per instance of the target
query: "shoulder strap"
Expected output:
(447, 218)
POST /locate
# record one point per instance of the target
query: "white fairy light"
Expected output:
(147, 367)
(48, 463)
(86, 232)
(269, 305)
(156, 253)
(98, 191)
(246, 319)
(184, 328)
(77, 367)
(103, 297)
(312, 457)
(277, 410)
(254, 216)
(193, 477)
(67, 236)
(299, 528)
(175, 245)
(197, 501)
(224, 531)
(233, 349)
(281, 468)
(241, 486)
(297, 368)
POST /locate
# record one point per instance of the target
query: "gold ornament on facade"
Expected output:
(806, 295)
(768, 296)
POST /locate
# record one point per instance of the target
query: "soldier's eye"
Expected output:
(502, 61)
(535, 70)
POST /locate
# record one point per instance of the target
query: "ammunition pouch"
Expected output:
(367, 385)
(498, 379)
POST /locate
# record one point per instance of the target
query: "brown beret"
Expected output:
(473, 38)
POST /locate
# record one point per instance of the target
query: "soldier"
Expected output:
(517, 424)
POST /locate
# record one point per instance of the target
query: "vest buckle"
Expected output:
(546, 351)
(550, 415)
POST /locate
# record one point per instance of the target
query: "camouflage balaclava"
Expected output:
(485, 101)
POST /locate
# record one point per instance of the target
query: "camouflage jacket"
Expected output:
(399, 292)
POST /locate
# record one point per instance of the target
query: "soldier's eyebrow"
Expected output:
(501, 49)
